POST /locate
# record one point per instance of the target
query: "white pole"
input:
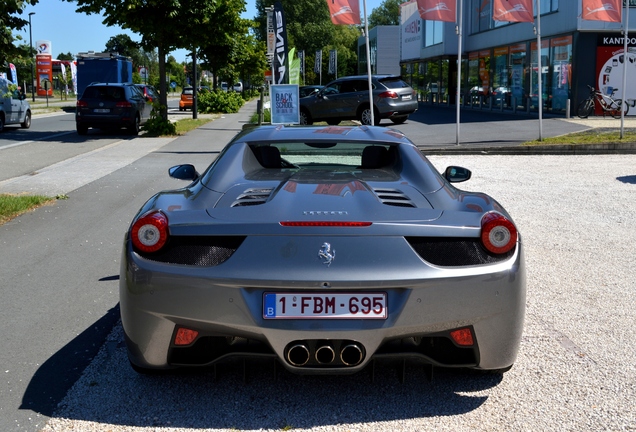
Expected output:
(366, 38)
(459, 68)
(625, 39)
(540, 71)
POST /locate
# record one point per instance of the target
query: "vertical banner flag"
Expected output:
(281, 63)
(301, 58)
(14, 74)
(332, 61)
(294, 67)
(344, 11)
(437, 10)
(603, 10)
(318, 62)
(513, 11)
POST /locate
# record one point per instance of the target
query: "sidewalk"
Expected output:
(71, 174)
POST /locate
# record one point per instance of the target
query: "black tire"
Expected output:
(399, 119)
(136, 126)
(1, 122)
(27, 121)
(82, 129)
(616, 111)
(585, 108)
(333, 122)
(305, 118)
(365, 116)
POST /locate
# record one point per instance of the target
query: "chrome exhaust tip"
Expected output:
(298, 355)
(351, 355)
(325, 354)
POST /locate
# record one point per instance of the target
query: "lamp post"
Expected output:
(32, 61)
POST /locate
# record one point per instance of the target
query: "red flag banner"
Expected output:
(513, 11)
(344, 11)
(603, 10)
(437, 10)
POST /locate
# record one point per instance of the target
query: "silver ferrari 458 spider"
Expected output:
(325, 248)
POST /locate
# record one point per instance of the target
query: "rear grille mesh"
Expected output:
(394, 197)
(196, 251)
(454, 252)
(252, 196)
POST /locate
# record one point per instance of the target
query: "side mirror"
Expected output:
(184, 172)
(455, 174)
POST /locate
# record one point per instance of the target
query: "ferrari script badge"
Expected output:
(326, 254)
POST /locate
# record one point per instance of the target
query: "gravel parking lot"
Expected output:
(576, 370)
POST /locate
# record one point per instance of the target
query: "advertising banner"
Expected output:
(44, 67)
(411, 26)
(610, 59)
(344, 11)
(285, 109)
(437, 10)
(14, 74)
(318, 62)
(294, 67)
(281, 62)
(513, 10)
(333, 61)
(301, 59)
(602, 10)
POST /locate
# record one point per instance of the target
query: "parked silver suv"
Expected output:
(14, 108)
(347, 98)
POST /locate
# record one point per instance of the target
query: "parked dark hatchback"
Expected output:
(112, 106)
(347, 98)
(149, 92)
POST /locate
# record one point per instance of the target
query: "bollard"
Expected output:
(567, 108)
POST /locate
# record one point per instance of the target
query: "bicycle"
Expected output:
(606, 102)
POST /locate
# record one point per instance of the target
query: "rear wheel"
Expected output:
(305, 118)
(616, 106)
(82, 129)
(136, 126)
(399, 119)
(27, 121)
(1, 122)
(585, 108)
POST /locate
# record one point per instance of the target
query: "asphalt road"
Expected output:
(60, 263)
(59, 279)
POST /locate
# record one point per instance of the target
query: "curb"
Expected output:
(570, 150)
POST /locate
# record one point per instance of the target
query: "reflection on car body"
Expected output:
(322, 248)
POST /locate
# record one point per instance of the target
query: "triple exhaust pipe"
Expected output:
(324, 354)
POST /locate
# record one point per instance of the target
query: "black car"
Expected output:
(112, 106)
(149, 92)
(347, 98)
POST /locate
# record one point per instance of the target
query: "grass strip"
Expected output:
(12, 206)
(591, 136)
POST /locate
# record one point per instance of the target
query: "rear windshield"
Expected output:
(393, 83)
(105, 93)
(188, 91)
(324, 155)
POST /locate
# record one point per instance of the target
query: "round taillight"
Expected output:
(498, 234)
(150, 232)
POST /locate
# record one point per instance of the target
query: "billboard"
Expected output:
(44, 67)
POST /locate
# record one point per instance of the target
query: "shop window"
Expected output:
(560, 72)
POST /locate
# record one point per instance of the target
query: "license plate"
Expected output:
(325, 305)
(101, 110)
(406, 97)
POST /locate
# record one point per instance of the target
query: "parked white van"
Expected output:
(238, 87)
(14, 108)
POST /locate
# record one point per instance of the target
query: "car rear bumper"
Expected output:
(157, 299)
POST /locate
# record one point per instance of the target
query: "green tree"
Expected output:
(166, 25)
(309, 28)
(68, 56)
(388, 13)
(10, 11)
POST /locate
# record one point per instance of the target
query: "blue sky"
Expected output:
(68, 31)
